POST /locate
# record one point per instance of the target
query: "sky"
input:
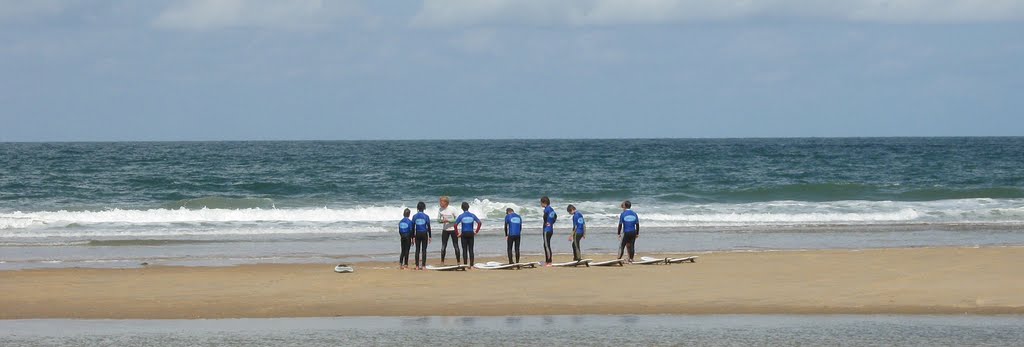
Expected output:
(185, 70)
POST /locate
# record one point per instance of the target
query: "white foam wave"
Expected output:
(600, 214)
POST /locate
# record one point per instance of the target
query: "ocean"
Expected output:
(711, 330)
(215, 203)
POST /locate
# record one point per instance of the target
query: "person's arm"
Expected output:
(506, 228)
(478, 225)
(429, 236)
(620, 227)
(638, 227)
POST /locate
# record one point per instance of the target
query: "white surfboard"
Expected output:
(447, 267)
(690, 259)
(493, 265)
(584, 262)
(343, 268)
(613, 262)
(650, 261)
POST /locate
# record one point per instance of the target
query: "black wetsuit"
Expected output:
(629, 229)
(513, 229)
(577, 253)
(468, 255)
(549, 230)
(403, 259)
(422, 222)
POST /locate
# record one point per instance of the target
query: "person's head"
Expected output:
(465, 206)
(570, 209)
(544, 201)
(444, 201)
(509, 211)
(406, 213)
(626, 205)
(421, 206)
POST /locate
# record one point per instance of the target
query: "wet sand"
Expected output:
(986, 280)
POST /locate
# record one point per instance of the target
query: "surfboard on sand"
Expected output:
(650, 261)
(493, 265)
(613, 262)
(343, 268)
(529, 265)
(447, 267)
(690, 259)
(584, 262)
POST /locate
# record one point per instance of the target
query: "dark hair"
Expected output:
(545, 200)
(421, 206)
(570, 208)
(405, 213)
(627, 204)
(465, 206)
(509, 210)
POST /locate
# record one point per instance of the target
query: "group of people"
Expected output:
(462, 228)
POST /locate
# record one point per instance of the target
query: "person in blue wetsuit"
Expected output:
(405, 233)
(464, 230)
(421, 222)
(513, 229)
(629, 229)
(579, 230)
(549, 227)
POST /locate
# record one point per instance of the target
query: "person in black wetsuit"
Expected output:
(513, 230)
(549, 227)
(405, 233)
(578, 232)
(464, 229)
(421, 221)
(629, 229)
(446, 216)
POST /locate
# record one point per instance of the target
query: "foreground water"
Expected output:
(120, 204)
(715, 330)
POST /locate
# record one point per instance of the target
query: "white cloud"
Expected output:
(610, 12)
(201, 15)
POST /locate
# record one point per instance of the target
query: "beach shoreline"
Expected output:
(948, 280)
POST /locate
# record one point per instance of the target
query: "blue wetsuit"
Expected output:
(629, 229)
(465, 221)
(513, 230)
(405, 232)
(549, 229)
(421, 222)
(579, 225)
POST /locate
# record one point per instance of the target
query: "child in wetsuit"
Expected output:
(464, 230)
(513, 229)
(422, 225)
(578, 232)
(629, 229)
(405, 233)
(549, 227)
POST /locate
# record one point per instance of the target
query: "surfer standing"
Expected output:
(549, 227)
(422, 225)
(513, 229)
(446, 214)
(578, 232)
(464, 229)
(629, 229)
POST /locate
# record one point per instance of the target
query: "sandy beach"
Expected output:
(898, 281)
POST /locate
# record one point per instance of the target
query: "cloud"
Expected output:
(435, 13)
(200, 15)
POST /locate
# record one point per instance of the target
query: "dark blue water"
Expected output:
(114, 202)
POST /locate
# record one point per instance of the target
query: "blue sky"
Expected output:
(339, 70)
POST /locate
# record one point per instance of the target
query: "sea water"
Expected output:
(711, 330)
(210, 203)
